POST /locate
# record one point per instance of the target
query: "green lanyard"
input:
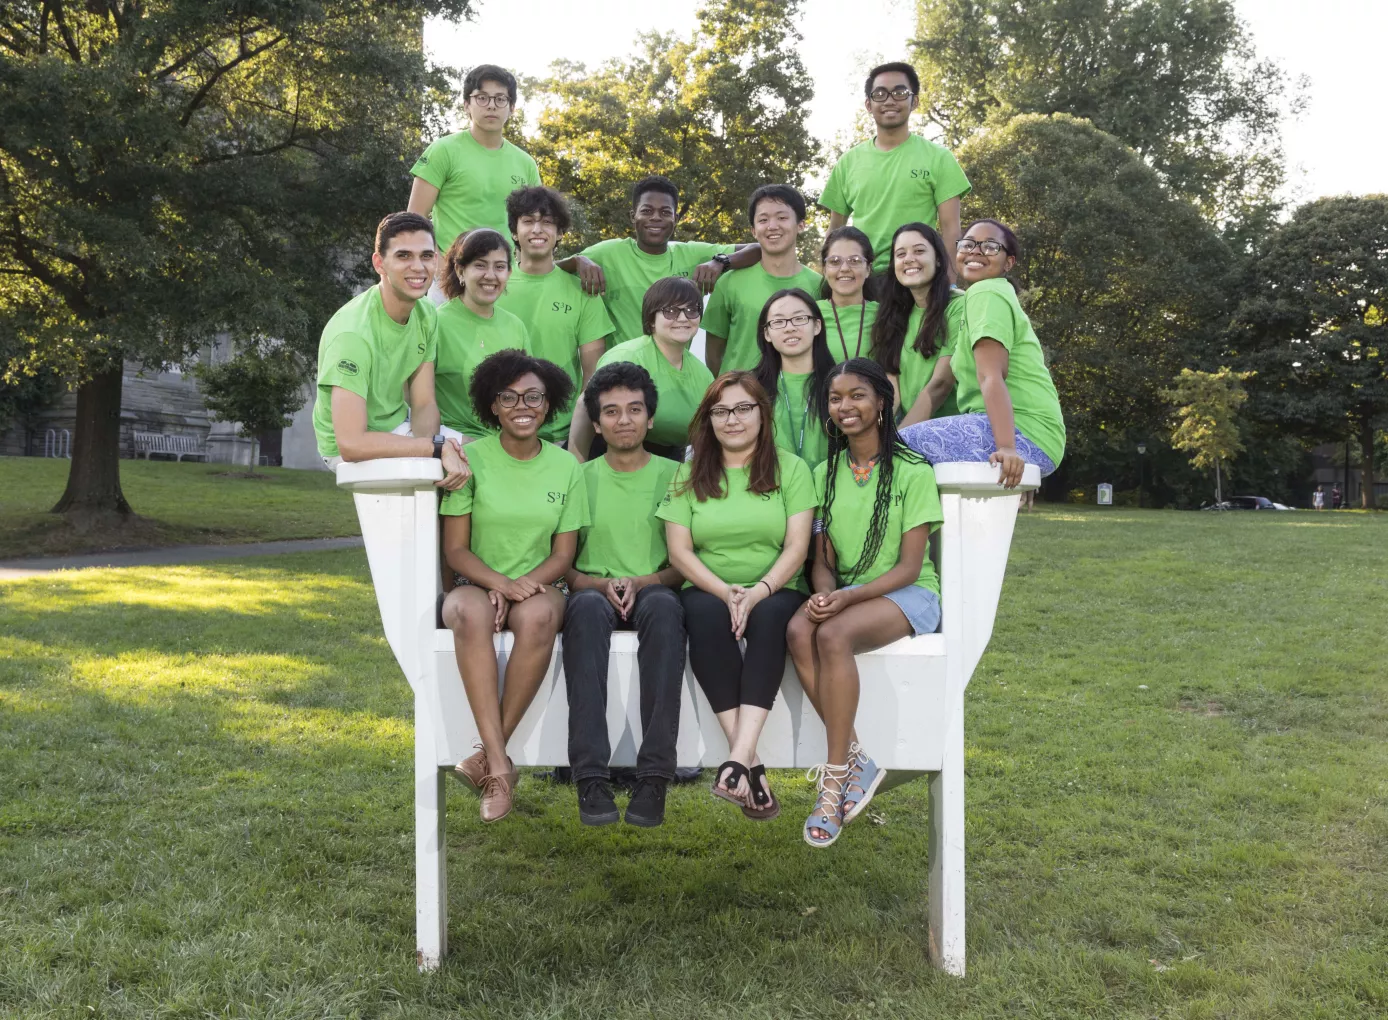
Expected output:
(862, 317)
(790, 422)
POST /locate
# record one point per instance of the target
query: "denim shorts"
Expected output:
(919, 604)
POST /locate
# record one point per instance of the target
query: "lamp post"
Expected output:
(1141, 449)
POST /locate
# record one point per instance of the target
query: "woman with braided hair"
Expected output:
(873, 583)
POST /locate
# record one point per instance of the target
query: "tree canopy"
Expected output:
(1205, 425)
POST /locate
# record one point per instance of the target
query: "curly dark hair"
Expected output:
(658, 183)
(618, 375)
(468, 248)
(538, 201)
(499, 370)
(895, 305)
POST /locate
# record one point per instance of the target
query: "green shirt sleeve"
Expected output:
(533, 177)
(797, 485)
(434, 165)
(459, 501)
(575, 514)
(593, 321)
(821, 482)
(920, 502)
(718, 314)
(346, 362)
(949, 178)
(599, 252)
(676, 508)
(989, 314)
(833, 198)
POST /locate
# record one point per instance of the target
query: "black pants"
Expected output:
(589, 620)
(730, 678)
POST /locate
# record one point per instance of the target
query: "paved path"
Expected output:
(17, 570)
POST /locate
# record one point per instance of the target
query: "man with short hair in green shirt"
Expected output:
(897, 177)
(777, 214)
(622, 578)
(462, 179)
(566, 326)
(622, 268)
(375, 349)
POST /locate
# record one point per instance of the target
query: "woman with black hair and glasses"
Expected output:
(846, 262)
(873, 583)
(510, 534)
(1008, 412)
(917, 315)
(795, 361)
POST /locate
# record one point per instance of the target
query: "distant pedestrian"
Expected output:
(1318, 498)
(1335, 495)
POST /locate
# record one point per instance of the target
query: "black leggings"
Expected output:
(728, 677)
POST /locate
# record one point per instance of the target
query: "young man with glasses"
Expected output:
(462, 179)
(777, 215)
(897, 177)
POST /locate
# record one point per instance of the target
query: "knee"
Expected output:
(586, 608)
(834, 640)
(661, 606)
(540, 621)
(800, 633)
(458, 615)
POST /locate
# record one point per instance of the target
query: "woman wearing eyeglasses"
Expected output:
(795, 362)
(846, 263)
(916, 313)
(738, 518)
(510, 534)
(472, 327)
(1009, 412)
(670, 314)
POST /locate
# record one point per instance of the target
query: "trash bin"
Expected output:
(1105, 494)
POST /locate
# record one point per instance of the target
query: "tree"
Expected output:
(1177, 80)
(173, 169)
(719, 113)
(1206, 423)
(1314, 325)
(260, 388)
(1124, 283)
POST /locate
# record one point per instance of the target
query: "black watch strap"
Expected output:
(438, 446)
(723, 259)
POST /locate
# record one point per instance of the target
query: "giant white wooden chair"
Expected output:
(911, 716)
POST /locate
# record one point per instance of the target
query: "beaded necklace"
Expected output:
(862, 474)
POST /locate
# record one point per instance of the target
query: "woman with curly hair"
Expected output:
(873, 582)
(510, 534)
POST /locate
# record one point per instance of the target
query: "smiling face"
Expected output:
(489, 106)
(737, 433)
(892, 112)
(791, 338)
(976, 265)
(846, 268)
(913, 260)
(536, 234)
(484, 278)
(775, 227)
(653, 219)
(522, 420)
(622, 418)
(853, 404)
(407, 267)
(677, 329)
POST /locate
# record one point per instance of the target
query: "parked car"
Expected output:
(1254, 503)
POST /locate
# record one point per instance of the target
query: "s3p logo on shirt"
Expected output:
(920, 174)
(347, 367)
(559, 497)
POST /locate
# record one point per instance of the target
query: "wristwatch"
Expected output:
(723, 259)
(438, 446)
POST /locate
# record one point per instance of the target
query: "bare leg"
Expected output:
(535, 622)
(469, 614)
(800, 642)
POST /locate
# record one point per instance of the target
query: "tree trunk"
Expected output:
(1366, 463)
(1219, 489)
(93, 482)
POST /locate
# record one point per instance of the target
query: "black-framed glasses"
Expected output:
(852, 261)
(743, 412)
(510, 398)
(802, 319)
(901, 93)
(682, 312)
(495, 101)
(967, 246)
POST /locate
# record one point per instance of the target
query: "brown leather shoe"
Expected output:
(473, 768)
(496, 796)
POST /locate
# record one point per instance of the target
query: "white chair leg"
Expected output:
(947, 857)
(431, 873)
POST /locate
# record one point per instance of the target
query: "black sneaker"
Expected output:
(647, 806)
(595, 803)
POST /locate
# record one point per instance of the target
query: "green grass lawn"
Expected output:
(181, 503)
(1177, 807)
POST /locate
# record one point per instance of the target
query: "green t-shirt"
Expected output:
(883, 190)
(465, 340)
(915, 501)
(740, 536)
(917, 370)
(798, 431)
(855, 340)
(473, 183)
(630, 273)
(366, 351)
(991, 309)
(625, 539)
(559, 319)
(518, 506)
(736, 303)
(678, 390)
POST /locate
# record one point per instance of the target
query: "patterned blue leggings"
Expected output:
(966, 437)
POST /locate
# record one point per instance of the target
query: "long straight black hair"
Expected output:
(768, 370)
(890, 449)
(895, 305)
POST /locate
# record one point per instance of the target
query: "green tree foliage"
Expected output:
(1177, 80)
(1122, 281)
(260, 388)
(172, 169)
(719, 113)
(1315, 324)
(1206, 417)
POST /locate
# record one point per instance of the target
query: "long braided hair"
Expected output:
(890, 449)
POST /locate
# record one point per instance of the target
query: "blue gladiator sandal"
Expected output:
(863, 780)
(827, 815)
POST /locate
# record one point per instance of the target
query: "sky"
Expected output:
(1336, 146)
